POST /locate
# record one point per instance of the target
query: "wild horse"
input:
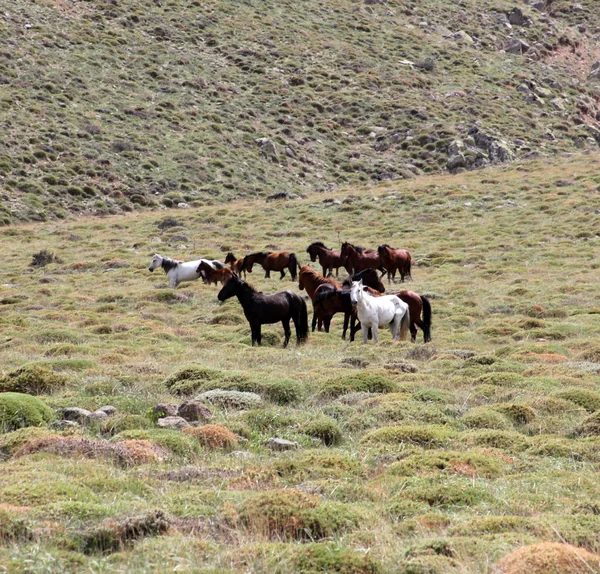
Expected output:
(314, 284)
(357, 258)
(278, 261)
(261, 309)
(393, 260)
(235, 264)
(329, 259)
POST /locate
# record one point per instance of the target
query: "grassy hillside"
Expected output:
(116, 106)
(412, 458)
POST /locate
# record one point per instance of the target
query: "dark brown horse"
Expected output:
(417, 304)
(393, 260)
(262, 309)
(357, 258)
(235, 264)
(314, 283)
(211, 275)
(328, 302)
(278, 261)
(329, 259)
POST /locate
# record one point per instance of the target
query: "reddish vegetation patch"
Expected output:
(213, 436)
(499, 455)
(127, 453)
(463, 468)
(543, 357)
(549, 558)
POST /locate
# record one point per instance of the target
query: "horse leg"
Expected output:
(314, 320)
(287, 331)
(365, 332)
(267, 273)
(282, 274)
(413, 332)
(327, 322)
(375, 331)
(346, 319)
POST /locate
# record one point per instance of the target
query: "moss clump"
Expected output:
(448, 494)
(114, 535)
(13, 527)
(493, 525)
(504, 440)
(291, 514)
(316, 466)
(213, 436)
(18, 410)
(589, 426)
(430, 436)
(432, 396)
(553, 405)
(318, 557)
(358, 382)
(33, 380)
(486, 418)
(194, 378)
(500, 379)
(178, 443)
(13, 441)
(589, 400)
(123, 422)
(549, 558)
(323, 428)
(517, 413)
(231, 399)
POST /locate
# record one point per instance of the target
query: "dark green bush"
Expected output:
(18, 410)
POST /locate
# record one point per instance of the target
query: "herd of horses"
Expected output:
(360, 297)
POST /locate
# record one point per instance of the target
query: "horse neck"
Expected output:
(363, 300)
(245, 295)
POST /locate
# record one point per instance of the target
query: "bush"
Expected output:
(486, 418)
(448, 494)
(319, 557)
(589, 400)
(18, 410)
(430, 436)
(501, 379)
(590, 426)
(518, 413)
(316, 466)
(504, 440)
(114, 535)
(231, 399)
(123, 422)
(365, 382)
(323, 428)
(213, 436)
(195, 378)
(33, 380)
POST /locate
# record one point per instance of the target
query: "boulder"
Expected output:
(462, 37)
(194, 411)
(516, 47)
(62, 425)
(165, 410)
(97, 417)
(516, 17)
(595, 72)
(177, 423)
(81, 416)
(281, 444)
(267, 147)
(108, 409)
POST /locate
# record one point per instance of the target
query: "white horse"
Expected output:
(178, 271)
(375, 312)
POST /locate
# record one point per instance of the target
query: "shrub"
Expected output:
(32, 379)
(291, 514)
(518, 413)
(19, 410)
(213, 436)
(194, 378)
(319, 557)
(365, 382)
(448, 494)
(317, 466)
(589, 400)
(589, 426)
(487, 418)
(432, 396)
(231, 399)
(114, 535)
(123, 422)
(504, 440)
(501, 379)
(323, 428)
(430, 436)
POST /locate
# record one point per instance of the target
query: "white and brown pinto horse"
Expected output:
(179, 271)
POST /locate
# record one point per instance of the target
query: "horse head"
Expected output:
(356, 292)
(310, 250)
(230, 258)
(156, 262)
(230, 288)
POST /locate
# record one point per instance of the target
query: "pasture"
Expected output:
(441, 457)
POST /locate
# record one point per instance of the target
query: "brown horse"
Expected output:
(278, 261)
(235, 264)
(314, 283)
(357, 258)
(212, 275)
(393, 260)
(417, 304)
(329, 259)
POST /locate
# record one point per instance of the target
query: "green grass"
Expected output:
(439, 457)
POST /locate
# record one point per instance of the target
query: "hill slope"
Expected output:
(111, 106)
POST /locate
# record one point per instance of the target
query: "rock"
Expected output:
(183, 205)
(456, 161)
(539, 6)
(516, 17)
(97, 417)
(62, 425)
(194, 411)
(280, 444)
(595, 72)
(516, 47)
(282, 195)
(76, 414)
(462, 37)
(165, 410)
(456, 147)
(48, 280)
(108, 409)
(268, 148)
(179, 239)
(172, 423)
(558, 104)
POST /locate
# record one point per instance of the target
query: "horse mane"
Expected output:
(383, 246)
(259, 254)
(322, 280)
(168, 263)
(319, 244)
(248, 286)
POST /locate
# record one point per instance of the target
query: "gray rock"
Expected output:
(231, 399)
(516, 17)
(456, 147)
(558, 104)
(539, 6)
(97, 417)
(282, 195)
(108, 409)
(172, 423)
(281, 444)
(516, 47)
(456, 161)
(194, 411)
(268, 148)
(76, 414)
(165, 410)
(178, 239)
(183, 205)
(62, 425)
(462, 37)
(595, 72)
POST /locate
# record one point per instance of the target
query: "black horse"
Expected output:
(263, 309)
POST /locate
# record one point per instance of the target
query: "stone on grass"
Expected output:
(76, 414)
(165, 410)
(194, 411)
(97, 417)
(172, 423)
(63, 425)
(108, 409)
(281, 444)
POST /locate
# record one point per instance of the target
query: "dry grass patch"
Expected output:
(213, 436)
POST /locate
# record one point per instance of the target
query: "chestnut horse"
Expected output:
(417, 304)
(211, 275)
(314, 283)
(278, 261)
(393, 260)
(358, 258)
(236, 264)
(329, 259)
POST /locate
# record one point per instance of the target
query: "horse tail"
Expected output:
(426, 319)
(405, 325)
(293, 265)
(408, 265)
(300, 317)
